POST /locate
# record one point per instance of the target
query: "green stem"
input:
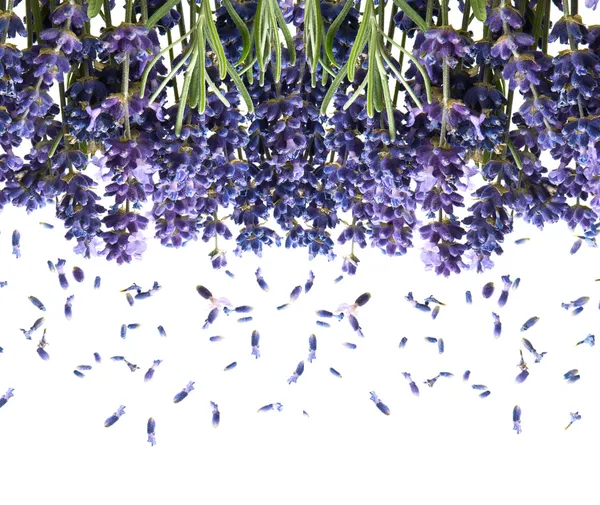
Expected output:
(444, 12)
(55, 143)
(125, 76)
(573, 46)
(107, 14)
(400, 62)
(182, 29)
(5, 32)
(392, 26)
(446, 90)
(515, 154)
(28, 21)
(465, 19)
(546, 27)
(144, 6)
(429, 15)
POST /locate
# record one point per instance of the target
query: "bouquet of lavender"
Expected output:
(272, 121)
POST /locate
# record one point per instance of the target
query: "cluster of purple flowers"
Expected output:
(134, 148)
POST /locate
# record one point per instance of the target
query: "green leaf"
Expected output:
(313, 33)
(356, 94)
(94, 7)
(275, 43)
(213, 39)
(537, 22)
(479, 9)
(335, 26)
(183, 99)
(289, 41)
(379, 80)
(217, 91)
(260, 29)
(242, 28)
(156, 59)
(412, 14)
(161, 12)
(202, 71)
(370, 98)
(37, 18)
(389, 108)
(172, 73)
(333, 88)
(241, 87)
(364, 31)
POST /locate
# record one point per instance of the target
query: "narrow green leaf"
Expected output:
(217, 91)
(170, 76)
(201, 66)
(416, 63)
(161, 12)
(333, 88)
(412, 14)
(389, 108)
(194, 88)
(183, 99)
(213, 39)
(37, 18)
(94, 7)
(479, 9)
(356, 94)
(318, 35)
(364, 31)
(275, 42)
(156, 59)
(335, 26)
(241, 87)
(260, 35)
(370, 89)
(378, 80)
(242, 28)
(289, 41)
(537, 21)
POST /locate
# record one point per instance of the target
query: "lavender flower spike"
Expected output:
(115, 417)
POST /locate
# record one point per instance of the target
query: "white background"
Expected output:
(448, 444)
